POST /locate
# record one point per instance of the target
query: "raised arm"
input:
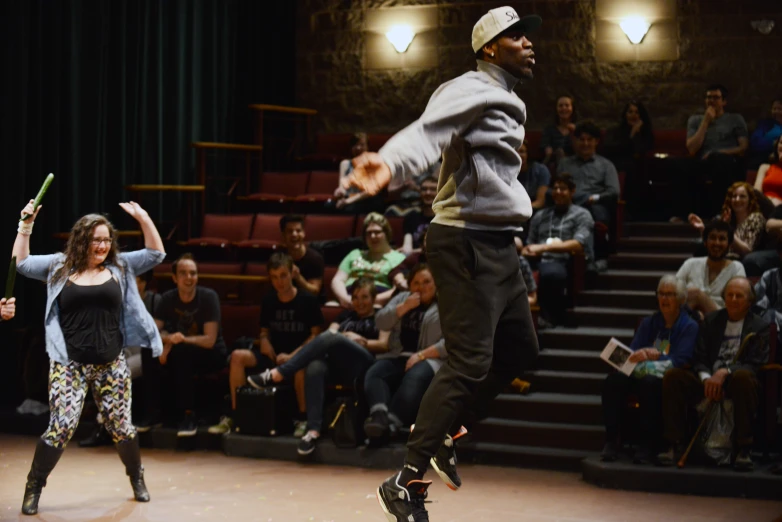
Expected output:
(22, 243)
(152, 238)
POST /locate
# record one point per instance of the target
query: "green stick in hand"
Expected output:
(39, 197)
(9, 283)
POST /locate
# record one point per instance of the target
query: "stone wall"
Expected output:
(716, 43)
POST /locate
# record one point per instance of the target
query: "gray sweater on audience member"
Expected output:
(431, 333)
(596, 176)
(475, 122)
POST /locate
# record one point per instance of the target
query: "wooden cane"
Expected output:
(683, 459)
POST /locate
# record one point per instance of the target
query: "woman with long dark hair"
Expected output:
(557, 142)
(93, 310)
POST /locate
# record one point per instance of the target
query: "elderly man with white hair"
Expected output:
(664, 340)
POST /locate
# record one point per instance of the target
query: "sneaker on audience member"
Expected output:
(188, 427)
(444, 462)
(260, 380)
(149, 423)
(225, 425)
(610, 452)
(299, 428)
(307, 443)
(376, 425)
(667, 457)
(403, 503)
(743, 460)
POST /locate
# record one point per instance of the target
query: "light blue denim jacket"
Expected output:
(137, 326)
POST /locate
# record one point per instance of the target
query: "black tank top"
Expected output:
(89, 318)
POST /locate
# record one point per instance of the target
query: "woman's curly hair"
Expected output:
(77, 250)
(752, 202)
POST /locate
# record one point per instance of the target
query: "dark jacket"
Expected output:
(684, 335)
(710, 338)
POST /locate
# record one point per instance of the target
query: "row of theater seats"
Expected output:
(304, 187)
(263, 230)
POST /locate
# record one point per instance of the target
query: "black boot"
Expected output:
(130, 454)
(99, 437)
(45, 459)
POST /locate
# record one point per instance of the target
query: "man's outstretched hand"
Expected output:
(370, 173)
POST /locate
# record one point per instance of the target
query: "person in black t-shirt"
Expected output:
(346, 350)
(308, 263)
(290, 318)
(415, 223)
(757, 262)
(188, 317)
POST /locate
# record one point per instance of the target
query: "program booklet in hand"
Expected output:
(617, 354)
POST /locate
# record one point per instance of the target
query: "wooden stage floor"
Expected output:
(90, 485)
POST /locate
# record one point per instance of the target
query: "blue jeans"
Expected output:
(388, 374)
(328, 353)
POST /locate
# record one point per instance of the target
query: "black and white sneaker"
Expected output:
(444, 462)
(188, 427)
(260, 380)
(377, 424)
(148, 424)
(403, 503)
(307, 443)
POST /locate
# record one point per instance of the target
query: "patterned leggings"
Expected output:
(68, 383)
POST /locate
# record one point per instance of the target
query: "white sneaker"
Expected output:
(300, 428)
(225, 425)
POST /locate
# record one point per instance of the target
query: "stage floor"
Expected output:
(90, 485)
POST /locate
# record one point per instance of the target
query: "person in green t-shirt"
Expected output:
(376, 262)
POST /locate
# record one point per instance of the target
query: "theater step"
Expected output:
(629, 280)
(610, 317)
(657, 245)
(654, 229)
(635, 299)
(524, 456)
(542, 434)
(587, 338)
(583, 383)
(570, 361)
(647, 261)
(548, 407)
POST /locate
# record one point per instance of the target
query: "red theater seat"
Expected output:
(321, 187)
(320, 228)
(222, 230)
(240, 321)
(281, 186)
(265, 232)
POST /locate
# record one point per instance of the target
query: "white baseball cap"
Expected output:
(500, 20)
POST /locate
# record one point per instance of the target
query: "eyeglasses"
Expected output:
(98, 240)
(669, 295)
(375, 232)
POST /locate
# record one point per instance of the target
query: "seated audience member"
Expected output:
(188, 317)
(377, 262)
(529, 280)
(760, 261)
(416, 222)
(596, 179)
(345, 351)
(626, 145)
(534, 177)
(290, 318)
(664, 340)
(707, 276)
(715, 375)
(410, 195)
(763, 141)
(768, 292)
(307, 262)
(554, 234)
(395, 384)
(716, 142)
(100, 436)
(631, 138)
(352, 200)
(556, 142)
(769, 177)
(742, 211)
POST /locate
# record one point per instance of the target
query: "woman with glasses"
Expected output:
(93, 310)
(741, 209)
(376, 262)
(664, 340)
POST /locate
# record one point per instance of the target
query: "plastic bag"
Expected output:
(653, 368)
(717, 435)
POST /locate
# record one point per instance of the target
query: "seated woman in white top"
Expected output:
(706, 277)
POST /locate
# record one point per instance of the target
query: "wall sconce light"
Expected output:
(400, 37)
(635, 27)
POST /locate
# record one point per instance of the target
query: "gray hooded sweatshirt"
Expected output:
(476, 124)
